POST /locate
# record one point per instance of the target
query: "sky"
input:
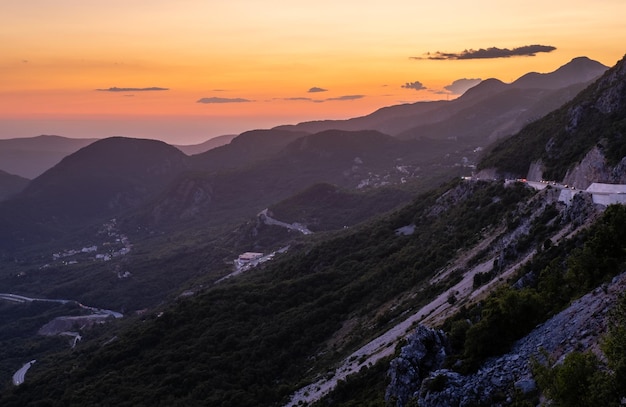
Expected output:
(184, 71)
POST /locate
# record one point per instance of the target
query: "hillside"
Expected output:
(329, 297)
(500, 115)
(245, 149)
(99, 181)
(258, 332)
(31, 156)
(325, 207)
(11, 184)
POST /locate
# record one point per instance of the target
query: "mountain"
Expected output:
(378, 120)
(11, 184)
(405, 120)
(324, 207)
(207, 145)
(363, 159)
(496, 116)
(101, 180)
(32, 156)
(591, 124)
(581, 69)
(246, 148)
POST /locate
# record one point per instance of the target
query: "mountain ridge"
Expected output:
(31, 156)
(395, 120)
(561, 140)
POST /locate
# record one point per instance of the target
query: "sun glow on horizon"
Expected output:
(255, 63)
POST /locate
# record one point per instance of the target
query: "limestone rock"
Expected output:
(424, 353)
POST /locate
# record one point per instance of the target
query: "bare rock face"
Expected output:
(424, 353)
(535, 171)
(591, 169)
(416, 376)
(618, 174)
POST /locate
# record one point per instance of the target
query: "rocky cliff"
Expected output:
(579, 327)
(595, 168)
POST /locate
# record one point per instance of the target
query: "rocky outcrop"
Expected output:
(577, 328)
(591, 169)
(594, 168)
(535, 171)
(424, 353)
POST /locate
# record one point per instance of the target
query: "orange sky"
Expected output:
(261, 58)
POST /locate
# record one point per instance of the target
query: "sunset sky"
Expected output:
(186, 70)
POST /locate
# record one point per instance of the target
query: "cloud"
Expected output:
(340, 98)
(489, 53)
(315, 89)
(347, 97)
(298, 98)
(417, 85)
(116, 89)
(459, 86)
(222, 100)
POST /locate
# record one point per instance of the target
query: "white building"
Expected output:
(607, 194)
(247, 257)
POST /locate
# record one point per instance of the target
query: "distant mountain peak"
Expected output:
(106, 176)
(485, 88)
(579, 69)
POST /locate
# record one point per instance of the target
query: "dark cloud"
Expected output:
(489, 53)
(315, 89)
(305, 99)
(222, 100)
(116, 89)
(459, 86)
(347, 97)
(417, 85)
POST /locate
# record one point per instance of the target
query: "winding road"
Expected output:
(293, 226)
(18, 377)
(22, 299)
